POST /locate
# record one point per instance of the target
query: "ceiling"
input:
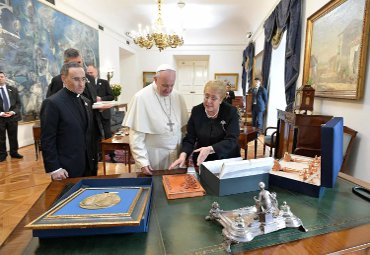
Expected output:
(210, 22)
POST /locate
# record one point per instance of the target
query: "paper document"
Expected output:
(246, 167)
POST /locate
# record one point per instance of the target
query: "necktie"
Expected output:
(5, 100)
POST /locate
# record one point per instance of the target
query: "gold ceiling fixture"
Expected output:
(157, 35)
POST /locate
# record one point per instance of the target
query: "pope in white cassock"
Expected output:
(155, 116)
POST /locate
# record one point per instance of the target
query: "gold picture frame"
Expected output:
(257, 67)
(148, 78)
(228, 78)
(337, 38)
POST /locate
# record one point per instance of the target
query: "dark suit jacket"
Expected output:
(230, 98)
(221, 133)
(261, 99)
(89, 92)
(105, 92)
(64, 140)
(15, 104)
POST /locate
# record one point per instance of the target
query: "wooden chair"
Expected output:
(269, 139)
(349, 136)
(36, 130)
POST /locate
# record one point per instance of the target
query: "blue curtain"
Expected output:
(248, 53)
(286, 16)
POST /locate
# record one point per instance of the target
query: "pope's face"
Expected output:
(75, 80)
(165, 82)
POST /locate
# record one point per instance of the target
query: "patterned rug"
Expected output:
(120, 156)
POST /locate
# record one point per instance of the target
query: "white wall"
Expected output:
(221, 60)
(277, 88)
(355, 113)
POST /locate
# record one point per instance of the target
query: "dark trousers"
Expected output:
(107, 128)
(257, 118)
(10, 127)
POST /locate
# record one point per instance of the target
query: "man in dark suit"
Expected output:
(259, 102)
(56, 84)
(10, 105)
(73, 55)
(230, 95)
(67, 128)
(105, 93)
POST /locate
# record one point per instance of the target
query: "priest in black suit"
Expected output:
(73, 55)
(105, 93)
(10, 105)
(67, 128)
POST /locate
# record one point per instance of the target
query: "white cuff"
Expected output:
(59, 169)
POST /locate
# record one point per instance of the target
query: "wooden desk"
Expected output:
(37, 138)
(179, 234)
(248, 134)
(116, 143)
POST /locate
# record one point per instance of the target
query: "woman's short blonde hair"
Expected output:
(217, 86)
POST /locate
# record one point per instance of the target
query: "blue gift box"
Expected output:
(129, 215)
(331, 162)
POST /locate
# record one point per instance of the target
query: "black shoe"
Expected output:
(17, 155)
(2, 159)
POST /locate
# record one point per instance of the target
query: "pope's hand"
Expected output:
(147, 170)
(60, 175)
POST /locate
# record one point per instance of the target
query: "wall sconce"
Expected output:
(110, 74)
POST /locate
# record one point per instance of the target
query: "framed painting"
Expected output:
(148, 77)
(257, 67)
(33, 37)
(228, 78)
(337, 38)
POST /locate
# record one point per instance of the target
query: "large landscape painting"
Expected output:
(336, 49)
(33, 37)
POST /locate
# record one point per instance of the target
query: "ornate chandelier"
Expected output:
(156, 36)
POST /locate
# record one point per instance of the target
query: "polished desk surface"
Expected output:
(340, 220)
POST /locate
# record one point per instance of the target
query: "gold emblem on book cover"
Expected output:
(100, 201)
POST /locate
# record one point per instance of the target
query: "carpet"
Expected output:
(120, 156)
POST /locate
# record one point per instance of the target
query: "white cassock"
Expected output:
(155, 127)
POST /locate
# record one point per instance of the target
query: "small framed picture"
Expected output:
(229, 79)
(148, 78)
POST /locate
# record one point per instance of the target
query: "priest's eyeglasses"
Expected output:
(78, 79)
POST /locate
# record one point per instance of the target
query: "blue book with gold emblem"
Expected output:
(98, 206)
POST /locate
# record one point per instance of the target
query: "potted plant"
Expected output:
(116, 89)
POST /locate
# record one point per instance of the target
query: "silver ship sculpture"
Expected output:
(243, 224)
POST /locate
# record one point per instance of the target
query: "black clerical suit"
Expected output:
(222, 133)
(91, 94)
(67, 134)
(10, 124)
(105, 92)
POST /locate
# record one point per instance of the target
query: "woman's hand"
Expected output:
(180, 162)
(203, 154)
